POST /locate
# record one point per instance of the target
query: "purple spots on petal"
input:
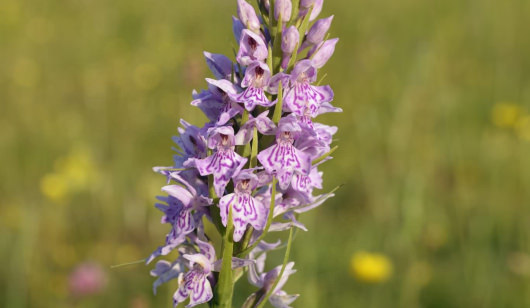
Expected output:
(253, 96)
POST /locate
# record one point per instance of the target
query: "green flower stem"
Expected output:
(267, 226)
(295, 11)
(279, 105)
(277, 280)
(224, 289)
(254, 152)
(269, 59)
(246, 239)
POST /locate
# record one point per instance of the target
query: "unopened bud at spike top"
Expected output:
(248, 16)
(283, 7)
(290, 39)
(318, 31)
(324, 51)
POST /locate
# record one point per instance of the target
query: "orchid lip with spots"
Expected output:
(254, 167)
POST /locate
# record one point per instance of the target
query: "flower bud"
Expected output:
(284, 8)
(318, 31)
(248, 15)
(305, 5)
(290, 39)
(323, 52)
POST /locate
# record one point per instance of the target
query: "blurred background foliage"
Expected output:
(434, 150)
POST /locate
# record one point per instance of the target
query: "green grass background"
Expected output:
(429, 180)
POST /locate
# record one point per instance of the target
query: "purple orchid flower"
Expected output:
(216, 103)
(245, 208)
(264, 281)
(166, 271)
(220, 65)
(283, 159)
(225, 162)
(261, 122)
(183, 209)
(195, 284)
(315, 139)
(306, 183)
(302, 98)
(252, 48)
(206, 160)
(257, 78)
(190, 143)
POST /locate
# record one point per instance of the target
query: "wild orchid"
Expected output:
(253, 168)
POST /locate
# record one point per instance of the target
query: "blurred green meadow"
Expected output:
(434, 152)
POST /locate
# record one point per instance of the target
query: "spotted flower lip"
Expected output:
(302, 98)
(256, 79)
(224, 162)
(245, 208)
(283, 159)
(195, 283)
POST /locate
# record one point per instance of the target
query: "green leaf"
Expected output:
(254, 153)
(321, 158)
(279, 105)
(277, 280)
(269, 58)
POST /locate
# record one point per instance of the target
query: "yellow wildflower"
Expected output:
(54, 186)
(523, 128)
(371, 267)
(505, 114)
(73, 174)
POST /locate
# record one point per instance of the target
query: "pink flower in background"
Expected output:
(87, 279)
